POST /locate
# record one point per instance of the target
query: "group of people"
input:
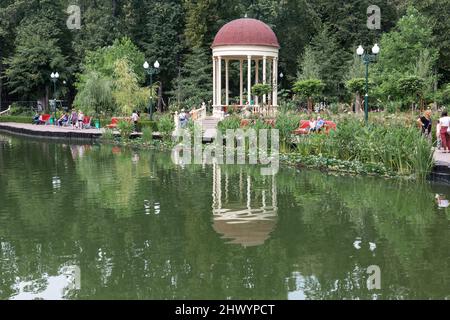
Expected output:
(442, 129)
(74, 119)
(316, 125)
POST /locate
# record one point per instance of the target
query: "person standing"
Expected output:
(445, 124)
(74, 119)
(80, 119)
(135, 119)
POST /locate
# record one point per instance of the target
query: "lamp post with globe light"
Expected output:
(151, 71)
(367, 59)
(54, 77)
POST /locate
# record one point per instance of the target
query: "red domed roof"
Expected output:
(246, 31)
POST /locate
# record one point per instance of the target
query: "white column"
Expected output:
(249, 78)
(214, 82)
(227, 97)
(275, 82)
(219, 85)
(256, 78)
(241, 83)
(265, 77)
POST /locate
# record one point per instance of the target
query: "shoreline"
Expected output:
(440, 172)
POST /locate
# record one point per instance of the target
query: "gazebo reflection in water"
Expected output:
(246, 213)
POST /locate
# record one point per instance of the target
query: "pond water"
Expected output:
(102, 222)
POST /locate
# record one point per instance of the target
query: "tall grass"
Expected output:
(401, 149)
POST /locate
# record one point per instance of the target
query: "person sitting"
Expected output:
(63, 120)
(312, 125)
(183, 118)
(441, 201)
(320, 124)
(37, 118)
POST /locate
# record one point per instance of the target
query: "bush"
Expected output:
(147, 134)
(166, 126)
(125, 128)
(16, 119)
(400, 149)
(229, 123)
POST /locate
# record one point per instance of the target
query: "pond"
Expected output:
(103, 222)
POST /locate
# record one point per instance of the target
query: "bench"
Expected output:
(44, 119)
(248, 122)
(304, 127)
(115, 121)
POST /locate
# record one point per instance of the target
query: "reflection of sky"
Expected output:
(52, 289)
(298, 293)
(49, 287)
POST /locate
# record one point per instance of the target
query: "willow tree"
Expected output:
(127, 93)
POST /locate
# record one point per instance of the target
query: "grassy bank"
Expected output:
(390, 145)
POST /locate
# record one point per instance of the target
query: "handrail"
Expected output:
(6, 111)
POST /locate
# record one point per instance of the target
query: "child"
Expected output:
(438, 136)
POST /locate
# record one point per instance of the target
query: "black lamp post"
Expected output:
(367, 59)
(151, 72)
(54, 76)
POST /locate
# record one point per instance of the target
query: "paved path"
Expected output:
(442, 159)
(209, 126)
(51, 131)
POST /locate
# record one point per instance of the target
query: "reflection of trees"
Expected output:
(124, 253)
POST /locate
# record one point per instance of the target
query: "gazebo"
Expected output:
(255, 46)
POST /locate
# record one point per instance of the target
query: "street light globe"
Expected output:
(52, 75)
(157, 65)
(146, 65)
(376, 49)
(360, 51)
(56, 75)
(281, 75)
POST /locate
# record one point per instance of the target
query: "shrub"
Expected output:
(166, 126)
(147, 134)
(125, 128)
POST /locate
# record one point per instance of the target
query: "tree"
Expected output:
(309, 89)
(309, 66)
(412, 88)
(126, 91)
(194, 85)
(357, 86)
(95, 95)
(261, 89)
(443, 95)
(400, 50)
(39, 47)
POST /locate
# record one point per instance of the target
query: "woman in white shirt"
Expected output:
(445, 124)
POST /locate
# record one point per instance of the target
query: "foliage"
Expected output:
(166, 126)
(399, 149)
(125, 128)
(309, 66)
(411, 88)
(309, 89)
(127, 93)
(194, 84)
(147, 134)
(230, 123)
(261, 89)
(95, 94)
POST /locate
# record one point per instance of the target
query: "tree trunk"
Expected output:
(310, 104)
(160, 102)
(358, 103)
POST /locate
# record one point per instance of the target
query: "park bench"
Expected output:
(304, 127)
(44, 119)
(115, 121)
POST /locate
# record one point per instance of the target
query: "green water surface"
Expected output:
(102, 222)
